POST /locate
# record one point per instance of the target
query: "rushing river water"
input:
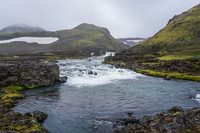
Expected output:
(92, 103)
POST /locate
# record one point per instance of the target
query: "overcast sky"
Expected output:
(123, 18)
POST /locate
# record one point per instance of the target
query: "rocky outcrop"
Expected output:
(14, 122)
(134, 60)
(28, 74)
(173, 121)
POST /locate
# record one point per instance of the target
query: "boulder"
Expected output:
(90, 72)
(39, 116)
(63, 79)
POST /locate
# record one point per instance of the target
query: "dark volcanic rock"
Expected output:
(171, 122)
(39, 116)
(28, 74)
(62, 79)
(131, 120)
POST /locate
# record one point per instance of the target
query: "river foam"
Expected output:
(92, 72)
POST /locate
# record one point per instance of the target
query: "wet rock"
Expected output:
(39, 116)
(167, 78)
(131, 120)
(190, 96)
(90, 72)
(175, 109)
(28, 114)
(63, 79)
(129, 114)
(171, 122)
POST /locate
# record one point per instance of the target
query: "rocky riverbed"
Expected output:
(175, 120)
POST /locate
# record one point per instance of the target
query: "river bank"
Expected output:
(175, 120)
(138, 61)
(20, 75)
(15, 122)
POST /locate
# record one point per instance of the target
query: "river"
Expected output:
(92, 103)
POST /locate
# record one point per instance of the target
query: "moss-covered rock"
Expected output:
(174, 121)
(11, 121)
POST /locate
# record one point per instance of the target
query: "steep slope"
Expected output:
(183, 27)
(20, 28)
(85, 37)
(174, 51)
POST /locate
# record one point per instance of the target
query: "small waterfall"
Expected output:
(91, 71)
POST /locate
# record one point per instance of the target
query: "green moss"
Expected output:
(159, 116)
(73, 58)
(31, 87)
(113, 62)
(151, 63)
(8, 103)
(175, 75)
(42, 60)
(152, 73)
(177, 113)
(33, 128)
(26, 129)
(174, 57)
(194, 130)
(12, 89)
(12, 96)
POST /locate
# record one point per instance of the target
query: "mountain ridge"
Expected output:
(85, 37)
(20, 28)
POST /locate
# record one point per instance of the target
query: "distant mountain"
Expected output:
(20, 28)
(85, 37)
(131, 41)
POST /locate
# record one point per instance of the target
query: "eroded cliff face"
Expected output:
(28, 74)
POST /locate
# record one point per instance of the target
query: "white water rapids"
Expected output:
(78, 70)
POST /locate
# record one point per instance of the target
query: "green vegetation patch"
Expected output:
(26, 129)
(12, 89)
(11, 94)
(175, 75)
(174, 57)
(31, 87)
(177, 113)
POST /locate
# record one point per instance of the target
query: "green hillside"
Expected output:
(183, 27)
(85, 37)
(180, 39)
(174, 51)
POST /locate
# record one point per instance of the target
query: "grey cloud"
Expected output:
(127, 18)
